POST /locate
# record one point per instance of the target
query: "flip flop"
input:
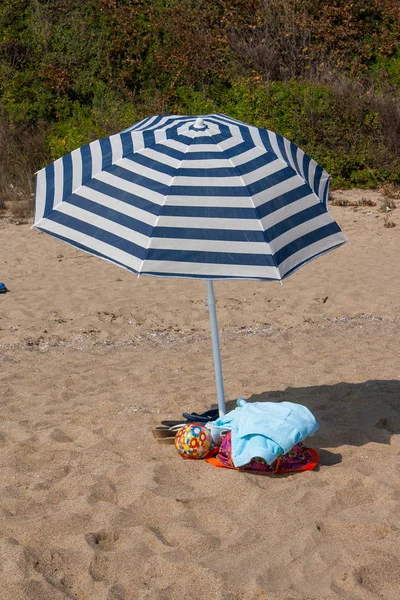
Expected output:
(172, 423)
(161, 432)
(205, 417)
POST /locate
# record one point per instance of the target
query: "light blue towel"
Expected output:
(264, 429)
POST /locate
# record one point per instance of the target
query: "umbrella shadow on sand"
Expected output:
(348, 413)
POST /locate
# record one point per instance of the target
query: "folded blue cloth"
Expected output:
(264, 429)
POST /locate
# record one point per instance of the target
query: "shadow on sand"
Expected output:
(348, 413)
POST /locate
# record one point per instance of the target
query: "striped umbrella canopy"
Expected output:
(205, 197)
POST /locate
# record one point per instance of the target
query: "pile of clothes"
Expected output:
(261, 436)
(265, 437)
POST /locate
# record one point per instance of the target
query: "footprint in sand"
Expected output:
(59, 436)
(116, 592)
(55, 568)
(98, 567)
(103, 490)
(104, 540)
(382, 577)
(169, 482)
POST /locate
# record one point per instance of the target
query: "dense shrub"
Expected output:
(353, 132)
(325, 75)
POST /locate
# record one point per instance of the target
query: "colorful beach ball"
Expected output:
(193, 441)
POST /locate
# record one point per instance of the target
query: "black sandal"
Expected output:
(205, 417)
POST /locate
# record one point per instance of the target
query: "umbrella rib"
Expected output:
(251, 199)
(161, 208)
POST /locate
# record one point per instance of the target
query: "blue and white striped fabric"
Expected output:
(180, 196)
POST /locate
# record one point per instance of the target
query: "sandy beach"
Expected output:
(93, 508)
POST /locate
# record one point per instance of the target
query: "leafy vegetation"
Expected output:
(325, 75)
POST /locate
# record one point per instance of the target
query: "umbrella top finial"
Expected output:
(199, 123)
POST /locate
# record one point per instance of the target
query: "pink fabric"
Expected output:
(298, 457)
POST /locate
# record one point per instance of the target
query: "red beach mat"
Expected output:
(300, 458)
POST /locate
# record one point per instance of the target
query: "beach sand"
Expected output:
(93, 508)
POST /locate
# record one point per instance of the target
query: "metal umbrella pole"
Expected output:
(216, 350)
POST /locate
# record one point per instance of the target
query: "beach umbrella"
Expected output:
(206, 197)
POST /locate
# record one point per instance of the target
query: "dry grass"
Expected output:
(387, 204)
(354, 203)
(388, 224)
(277, 46)
(22, 211)
(391, 194)
(18, 201)
(391, 191)
(387, 106)
(21, 154)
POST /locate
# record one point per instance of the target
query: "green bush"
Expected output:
(74, 71)
(338, 126)
(387, 70)
(81, 124)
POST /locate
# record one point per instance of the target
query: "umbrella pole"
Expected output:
(215, 345)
